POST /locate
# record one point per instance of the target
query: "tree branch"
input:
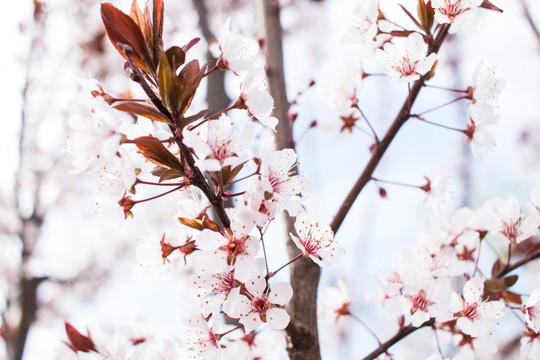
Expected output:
(381, 147)
(508, 269)
(400, 335)
(302, 331)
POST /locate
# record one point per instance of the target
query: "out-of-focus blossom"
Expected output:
(532, 310)
(254, 96)
(453, 11)
(238, 53)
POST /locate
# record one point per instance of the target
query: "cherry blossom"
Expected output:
(218, 148)
(260, 304)
(212, 289)
(233, 247)
(475, 315)
(238, 53)
(406, 62)
(453, 11)
(337, 299)
(530, 347)
(484, 92)
(201, 338)
(275, 168)
(532, 310)
(254, 97)
(364, 25)
(94, 134)
(316, 241)
(509, 222)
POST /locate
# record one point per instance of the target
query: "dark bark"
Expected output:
(302, 333)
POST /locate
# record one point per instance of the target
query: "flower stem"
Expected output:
(394, 183)
(271, 274)
(441, 106)
(366, 327)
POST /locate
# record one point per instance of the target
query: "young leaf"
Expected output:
(510, 280)
(190, 44)
(122, 29)
(189, 79)
(229, 174)
(489, 5)
(512, 297)
(410, 16)
(196, 224)
(176, 57)
(77, 341)
(145, 110)
(157, 153)
(157, 29)
(188, 120)
(169, 86)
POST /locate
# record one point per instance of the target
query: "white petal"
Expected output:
(278, 319)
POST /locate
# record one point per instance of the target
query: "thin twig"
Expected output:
(383, 145)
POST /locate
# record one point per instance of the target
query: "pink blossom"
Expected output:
(316, 241)
(408, 61)
(475, 315)
(237, 52)
(260, 305)
(447, 11)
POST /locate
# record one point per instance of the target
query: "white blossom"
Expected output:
(406, 62)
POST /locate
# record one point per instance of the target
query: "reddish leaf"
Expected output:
(189, 79)
(512, 297)
(157, 28)
(497, 267)
(488, 5)
(411, 16)
(426, 14)
(78, 341)
(209, 224)
(401, 33)
(188, 120)
(176, 57)
(192, 223)
(228, 173)
(169, 174)
(169, 86)
(190, 44)
(157, 153)
(141, 109)
(494, 285)
(122, 29)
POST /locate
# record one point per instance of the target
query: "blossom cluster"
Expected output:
(206, 159)
(447, 288)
